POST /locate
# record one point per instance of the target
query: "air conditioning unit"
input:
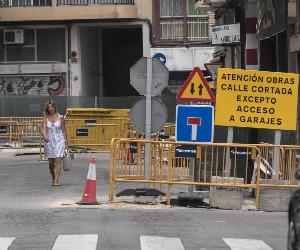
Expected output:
(14, 36)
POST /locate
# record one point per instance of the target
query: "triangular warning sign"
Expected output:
(196, 88)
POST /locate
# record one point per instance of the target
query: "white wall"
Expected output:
(75, 67)
(185, 59)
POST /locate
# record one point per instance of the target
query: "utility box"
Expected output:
(93, 128)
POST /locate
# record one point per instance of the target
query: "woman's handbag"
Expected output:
(67, 160)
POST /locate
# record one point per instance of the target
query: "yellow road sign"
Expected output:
(256, 99)
(195, 88)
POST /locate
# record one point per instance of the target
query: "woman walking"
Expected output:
(54, 134)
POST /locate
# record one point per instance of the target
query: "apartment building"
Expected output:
(71, 47)
(181, 38)
(269, 41)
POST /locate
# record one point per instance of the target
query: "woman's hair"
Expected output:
(46, 111)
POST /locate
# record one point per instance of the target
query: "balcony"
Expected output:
(25, 3)
(47, 10)
(31, 3)
(173, 29)
(89, 2)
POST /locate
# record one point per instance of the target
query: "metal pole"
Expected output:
(96, 101)
(276, 153)
(148, 118)
(228, 160)
(191, 169)
(277, 136)
(191, 173)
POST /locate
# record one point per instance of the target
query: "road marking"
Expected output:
(76, 242)
(246, 244)
(5, 242)
(160, 243)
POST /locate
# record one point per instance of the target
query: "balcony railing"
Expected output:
(197, 29)
(88, 2)
(25, 3)
(172, 29)
(30, 3)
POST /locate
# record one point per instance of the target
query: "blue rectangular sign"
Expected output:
(3, 129)
(82, 132)
(186, 151)
(194, 123)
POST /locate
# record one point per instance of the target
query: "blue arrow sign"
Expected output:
(161, 57)
(194, 123)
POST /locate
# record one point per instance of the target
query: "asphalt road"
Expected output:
(36, 215)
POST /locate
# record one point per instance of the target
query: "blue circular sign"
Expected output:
(160, 57)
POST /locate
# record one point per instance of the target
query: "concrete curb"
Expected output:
(20, 151)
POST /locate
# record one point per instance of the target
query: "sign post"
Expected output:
(149, 77)
(148, 117)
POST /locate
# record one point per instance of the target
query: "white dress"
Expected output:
(55, 147)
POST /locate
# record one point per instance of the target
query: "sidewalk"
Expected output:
(77, 176)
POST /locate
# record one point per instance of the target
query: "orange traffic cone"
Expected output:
(89, 194)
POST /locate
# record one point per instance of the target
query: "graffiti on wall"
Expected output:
(54, 85)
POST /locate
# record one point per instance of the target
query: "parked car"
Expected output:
(294, 219)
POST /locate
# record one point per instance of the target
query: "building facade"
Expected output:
(269, 31)
(86, 47)
(181, 38)
(71, 47)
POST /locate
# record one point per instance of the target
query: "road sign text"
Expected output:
(258, 99)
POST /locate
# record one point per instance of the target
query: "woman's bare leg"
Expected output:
(51, 169)
(57, 170)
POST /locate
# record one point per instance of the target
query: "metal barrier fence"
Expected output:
(95, 136)
(22, 119)
(18, 132)
(214, 165)
(82, 133)
(169, 129)
(9, 133)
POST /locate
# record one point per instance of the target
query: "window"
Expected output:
(195, 12)
(40, 45)
(29, 37)
(171, 8)
(24, 52)
(51, 45)
(179, 21)
(19, 53)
